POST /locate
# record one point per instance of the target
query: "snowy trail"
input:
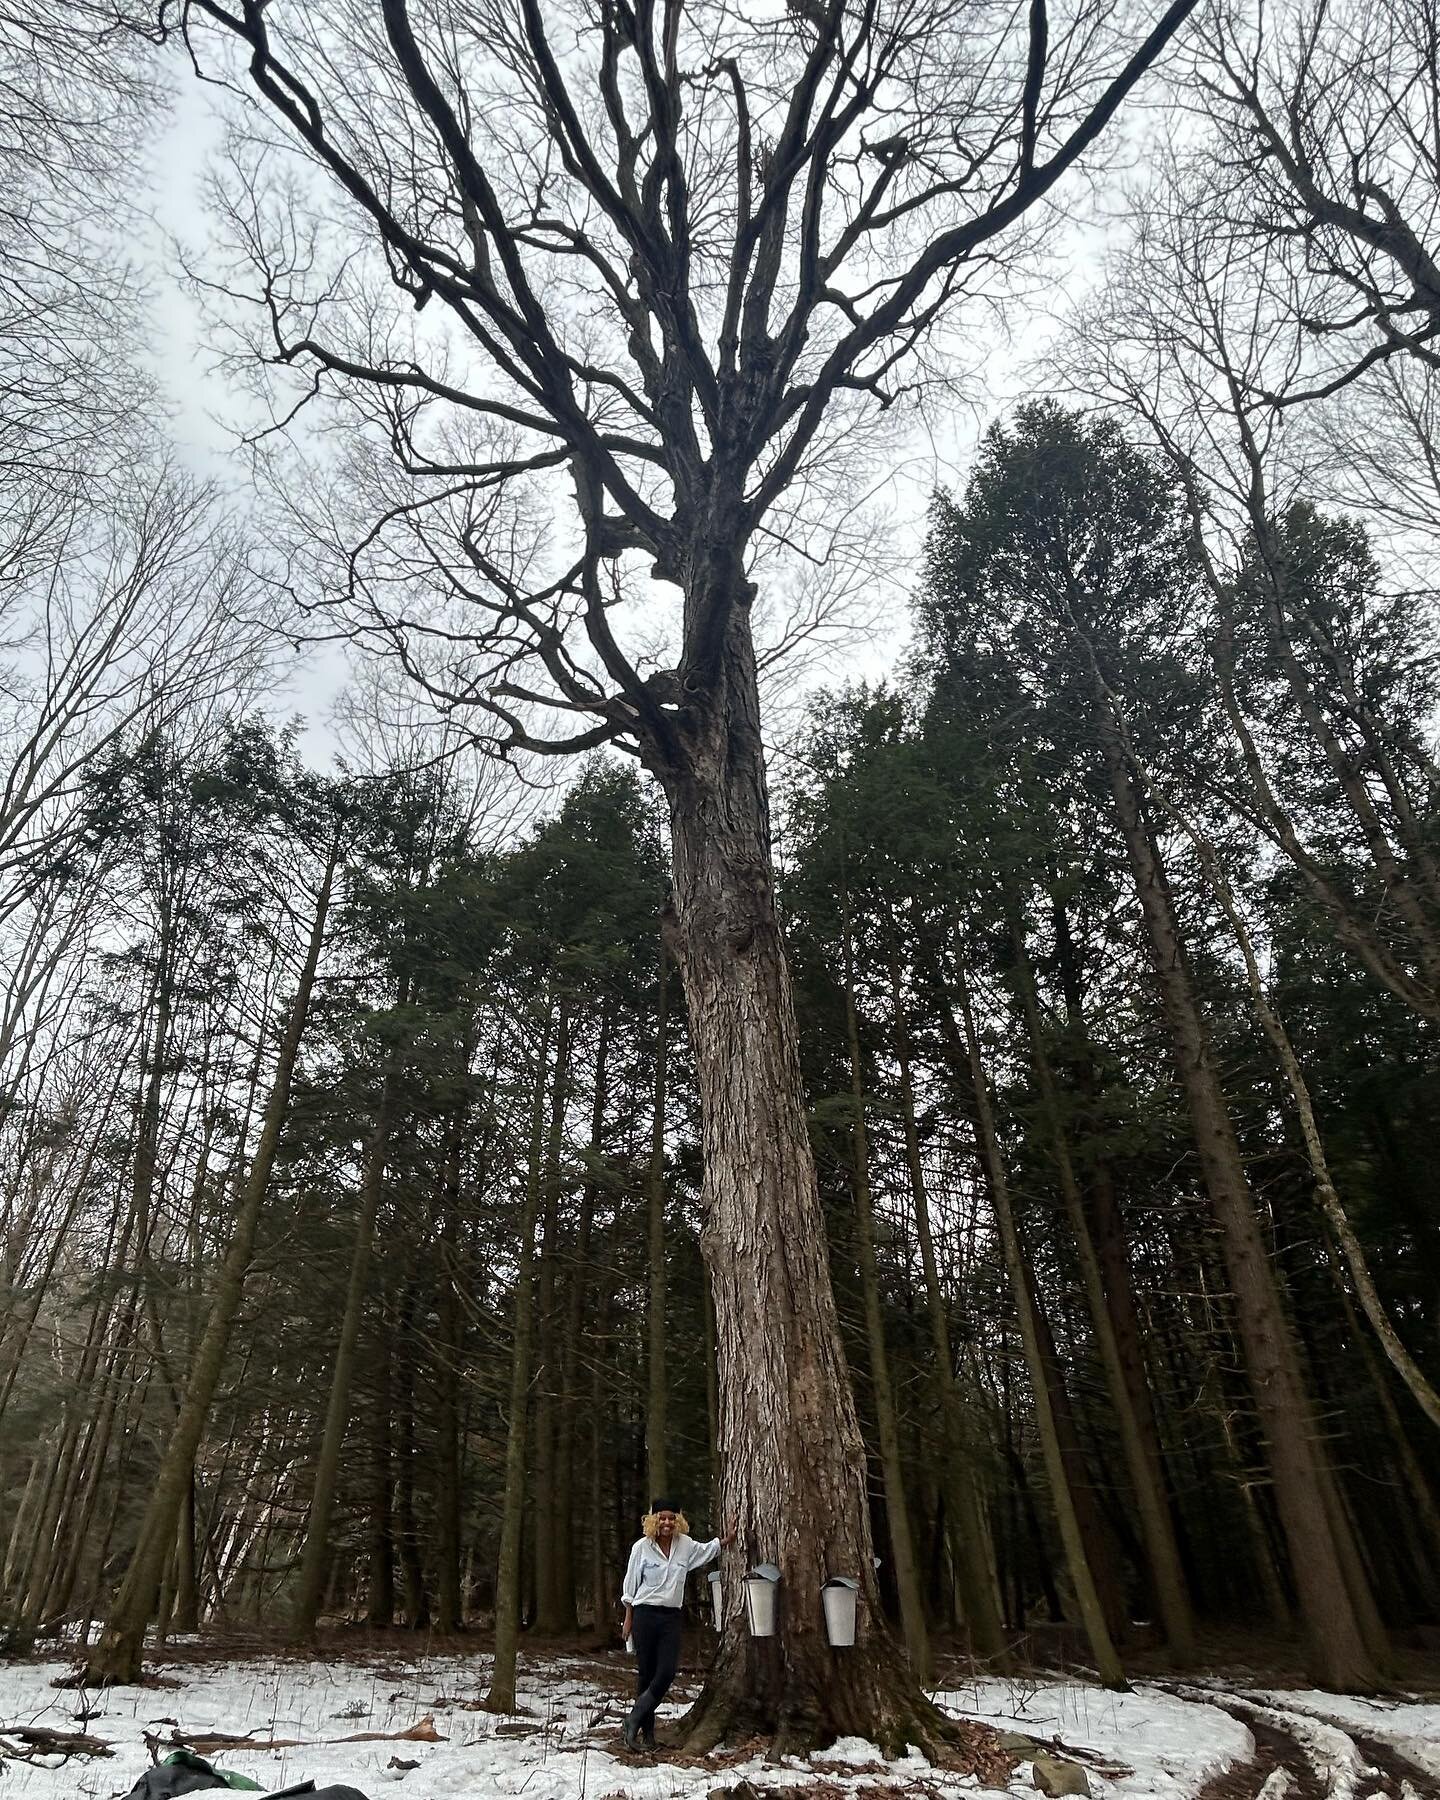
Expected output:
(1311, 1747)
(301, 1717)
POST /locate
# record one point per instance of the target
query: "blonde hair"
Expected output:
(650, 1524)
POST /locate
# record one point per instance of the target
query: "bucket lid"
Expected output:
(843, 1581)
(714, 1575)
(765, 1572)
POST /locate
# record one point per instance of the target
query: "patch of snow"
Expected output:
(1169, 1746)
(564, 1744)
(850, 1750)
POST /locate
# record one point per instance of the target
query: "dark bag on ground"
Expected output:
(182, 1772)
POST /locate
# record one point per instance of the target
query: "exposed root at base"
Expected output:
(967, 1747)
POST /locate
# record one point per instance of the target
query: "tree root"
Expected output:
(896, 1725)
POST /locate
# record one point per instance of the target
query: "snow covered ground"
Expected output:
(1147, 1745)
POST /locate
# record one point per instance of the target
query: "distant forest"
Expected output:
(1127, 889)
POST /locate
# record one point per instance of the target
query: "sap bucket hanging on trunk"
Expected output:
(840, 1597)
(717, 1604)
(760, 1586)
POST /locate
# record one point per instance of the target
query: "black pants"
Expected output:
(656, 1631)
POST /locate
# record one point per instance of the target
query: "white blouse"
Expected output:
(654, 1579)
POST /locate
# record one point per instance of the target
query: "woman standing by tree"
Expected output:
(654, 1596)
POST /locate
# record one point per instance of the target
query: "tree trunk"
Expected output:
(579, 1294)
(1338, 1652)
(1096, 1532)
(315, 1556)
(449, 1588)
(794, 1464)
(187, 1587)
(1326, 1196)
(964, 1520)
(547, 1617)
(656, 1475)
(897, 1508)
(407, 1537)
(380, 1605)
(602, 1463)
(501, 1697)
(1162, 1553)
(117, 1656)
(712, 1393)
(1087, 1598)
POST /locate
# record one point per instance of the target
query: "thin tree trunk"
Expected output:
(656, 1388)
(449, 1588)
(1339, 1654)
(315, 1555)
(579, 1293)
(1087, 1598)
(964, 1521)
(1096, 1533)
(1109, 1234)
(601, 1599)
(897, 1509)
(501, 1696)
(1326, 1196)
(380, 1606)
(548, 1616)
(117, 1656)
(407, 1536)
(1422, 1514)
(1161, 1551)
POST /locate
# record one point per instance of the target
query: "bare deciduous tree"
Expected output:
(680, 258)
(1331, 111)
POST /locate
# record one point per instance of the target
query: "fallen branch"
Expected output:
(41, 1740)
(214, 1742)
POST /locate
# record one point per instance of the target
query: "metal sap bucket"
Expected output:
(760, 1586)
(717, 1602)
(840, 1597)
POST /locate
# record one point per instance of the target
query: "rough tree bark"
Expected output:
(794, 1466)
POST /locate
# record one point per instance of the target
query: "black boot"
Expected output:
(630, 1731)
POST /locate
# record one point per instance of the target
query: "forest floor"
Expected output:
(375, 1718)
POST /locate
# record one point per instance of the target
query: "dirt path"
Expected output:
(1288, 1767)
